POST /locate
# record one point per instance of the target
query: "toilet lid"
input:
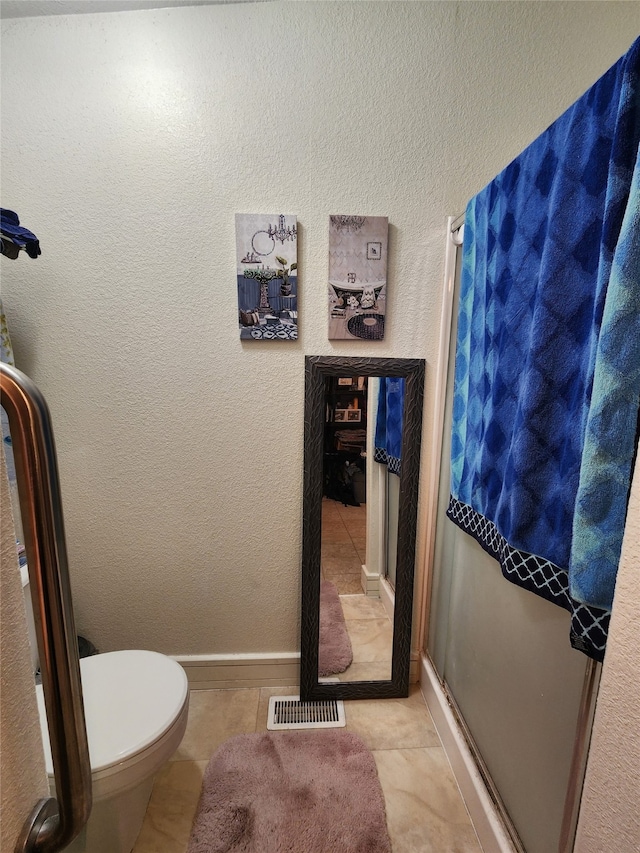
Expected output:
(130, 699)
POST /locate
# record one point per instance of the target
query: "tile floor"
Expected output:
(369, 627)
(343, 545)
(425, 812)
(371, 633)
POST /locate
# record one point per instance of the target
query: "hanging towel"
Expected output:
(388, 435)
(15, 237)
(549, 281)
(611, 434)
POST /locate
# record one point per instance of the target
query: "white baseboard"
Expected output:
(387, 596)
(217, 672)
(223, 672)
(370, 582)
(489, 827)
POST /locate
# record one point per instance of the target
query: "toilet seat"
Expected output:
(136, 705)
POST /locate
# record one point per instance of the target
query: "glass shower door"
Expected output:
(503, 656)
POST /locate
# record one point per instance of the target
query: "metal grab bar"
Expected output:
(53, 823)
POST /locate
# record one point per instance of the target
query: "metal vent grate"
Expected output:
(288, 712)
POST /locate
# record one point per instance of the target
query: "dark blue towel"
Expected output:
(388, 435)
(23, 238)
(539, 246)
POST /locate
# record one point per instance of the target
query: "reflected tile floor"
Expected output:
(343, 545)
(343, 553)
(371, 634)
(425, 812)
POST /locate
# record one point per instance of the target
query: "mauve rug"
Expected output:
(334, 650)
(291, 792)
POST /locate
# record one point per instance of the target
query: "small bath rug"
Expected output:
(334, 651)
(291, 792)
(367, 326)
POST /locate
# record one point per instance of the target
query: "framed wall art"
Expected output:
(357, 289)
(267, 276)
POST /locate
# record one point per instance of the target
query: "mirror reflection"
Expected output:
(362, 428)
(361, 486)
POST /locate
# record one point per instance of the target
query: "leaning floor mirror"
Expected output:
(362, 431)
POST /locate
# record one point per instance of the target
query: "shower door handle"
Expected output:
(53, 823)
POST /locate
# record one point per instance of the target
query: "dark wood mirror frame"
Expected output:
(317, 368)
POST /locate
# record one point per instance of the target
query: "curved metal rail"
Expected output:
(53, 823)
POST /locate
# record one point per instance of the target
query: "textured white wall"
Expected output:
(23, 779)
(129, 142)
(609, 819)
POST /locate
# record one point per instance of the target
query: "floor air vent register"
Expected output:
(288, 712)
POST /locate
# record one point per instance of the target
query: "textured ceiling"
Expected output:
(38, 8)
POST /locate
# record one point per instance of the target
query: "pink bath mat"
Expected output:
(291, 792)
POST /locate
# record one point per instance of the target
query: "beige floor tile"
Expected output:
(214, 716)
(334, 531)
(331, 516)
(333, 526)
(360, 544)
(343, 565)
(347, 584)
(333, 542)
(392, 723)
(362, 607)
(371, 639)
(425, 813)
(368, 671)
(332, 521)
(339, 550)
(167, 823)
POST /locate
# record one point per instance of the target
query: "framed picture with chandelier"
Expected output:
(267, 276)
(357, 289)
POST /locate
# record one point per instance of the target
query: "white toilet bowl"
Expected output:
(136, 705)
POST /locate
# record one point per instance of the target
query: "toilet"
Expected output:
(136, 705)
